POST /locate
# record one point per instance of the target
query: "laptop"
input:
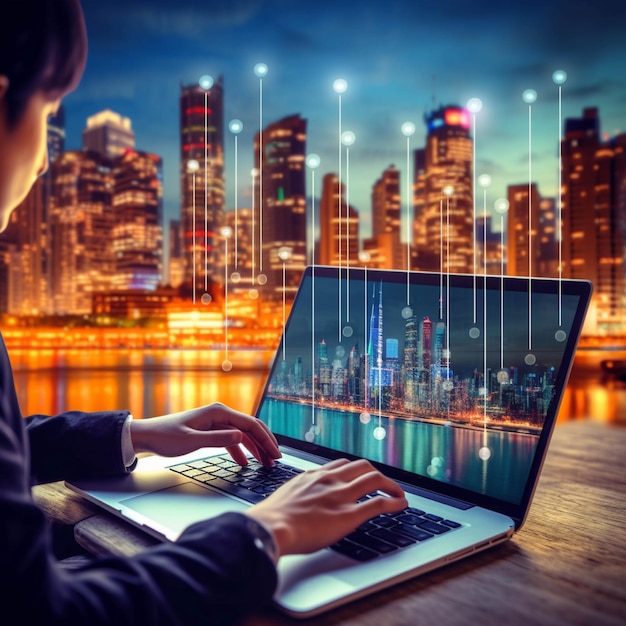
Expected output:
(450, 384)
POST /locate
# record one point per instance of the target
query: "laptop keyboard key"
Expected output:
(436, 529)
(373, 543)
(411, 531)
(359, 553)
(402, 541)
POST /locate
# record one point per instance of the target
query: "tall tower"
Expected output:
(137, 234)
(447, 221)
(593, 238)
(330, 226)
(523, 199)
(282, 226)
(202, 189)
(108, 133)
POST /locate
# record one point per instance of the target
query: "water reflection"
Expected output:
(154, 382)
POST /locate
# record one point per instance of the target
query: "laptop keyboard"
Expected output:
(380, 535)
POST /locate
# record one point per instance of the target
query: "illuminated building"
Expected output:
(330, 246)
(548, 261)
(523, 200)
(202, 191)
(446, 221)
(239, 250)
(108, 133)
(175, 254)
(133, 303)
(419, 198)
(384, 246)
(81, 223)
(593, 238)
(137, 235)
(280, 188)
(489, 246)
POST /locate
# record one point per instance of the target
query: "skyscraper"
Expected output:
(331, 227)
(280, 187)
(447, 220)
(524, 200)
(202, 186)
(593, 239)
(386, 220)
(108, 133)
(137, 234)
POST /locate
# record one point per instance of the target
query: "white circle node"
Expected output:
(474, 105)
(364, 256)
(206, 298)
(365, 417)
(407, 129)
(309, 436)
(530, 359)
(235, 126)
(484, 453)
(261, 279)
(379, 433)
(340, 85)
(474, 332)
(484, 180)
(501, 206)
(206, 82)
(347, 331)
(227, 366)
(260, 70)
(529, 96)
(284, 253)
(235, 277)
(253, 294)
(407, 312)
(340, 351)
(560, 335)
(313, 161)
(348, 138)
(193, 165)
(448, 190)
(559, 77)
(226, 231)
(448, 385)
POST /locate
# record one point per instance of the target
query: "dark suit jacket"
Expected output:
(212, 575)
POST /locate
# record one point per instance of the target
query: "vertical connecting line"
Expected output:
(193, 228)
(206, 192)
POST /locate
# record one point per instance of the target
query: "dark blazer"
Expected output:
(212, 575)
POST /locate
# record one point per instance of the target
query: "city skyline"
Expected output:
(393, 73)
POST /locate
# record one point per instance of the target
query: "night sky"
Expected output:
(401, 58)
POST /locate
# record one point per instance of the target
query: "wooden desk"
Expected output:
(566, 566)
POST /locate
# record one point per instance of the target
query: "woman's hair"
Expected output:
(43, 47)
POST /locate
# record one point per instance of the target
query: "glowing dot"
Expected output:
(260, 70)
(501, 206)
(235, 126)
(474, 332)
(253, 294)
(446, 353)
(448, 190)
(379, 433)
(529, 96)
(193, 165)
(226, 231)
(347, 331)
(227, 365)
(407, 129)
(431, 471)
(365, 417)
(261, 279)
(484, 453)
(206, 298)
(315, 429)
(235, 277)
(502, 376)
(340, 351)
(206, 81)
(437, 461)
(340, 85)
(313, 161)
(474, 105)
(559, 77)
(254, 172)
(484, 180)
(448, 385)
(309, 436)
(560, 335)
(284, 253)
(407, 312)
(348, 138)
(530, 359)
(364, 256)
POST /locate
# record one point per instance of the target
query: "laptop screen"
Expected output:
(436, 377)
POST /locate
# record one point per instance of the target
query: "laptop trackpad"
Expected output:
(179, 506)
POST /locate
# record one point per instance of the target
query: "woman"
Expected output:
(219, 568)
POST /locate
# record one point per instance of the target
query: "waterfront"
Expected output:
(153, 382)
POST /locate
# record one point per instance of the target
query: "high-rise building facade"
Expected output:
(339, 231)
(175, 254)
(239, 260)
(446, 206)
(281, 190)
(137, 234)
(523, 243)
(81, 227)
(593, 244)
(108, 133)
(202, 183)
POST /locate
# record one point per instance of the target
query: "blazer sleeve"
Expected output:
(75, 444)
(213, 574)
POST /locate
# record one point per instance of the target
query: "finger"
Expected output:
(237, 455)
(349, 470)
(257, 452)
(371, 482)
(217, 438)
(254, 428)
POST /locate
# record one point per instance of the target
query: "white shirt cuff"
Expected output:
(129, 457)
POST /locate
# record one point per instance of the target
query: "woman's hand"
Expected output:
(214, 425)
(317, 508)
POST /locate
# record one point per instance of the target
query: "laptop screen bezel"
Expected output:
(517, 512)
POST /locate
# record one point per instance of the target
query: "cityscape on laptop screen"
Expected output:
(443, 378)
